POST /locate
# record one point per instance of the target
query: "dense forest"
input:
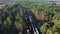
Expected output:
(12, 19)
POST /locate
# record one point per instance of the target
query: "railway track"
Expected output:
(30, 28)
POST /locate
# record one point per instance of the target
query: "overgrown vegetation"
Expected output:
(12, 16)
